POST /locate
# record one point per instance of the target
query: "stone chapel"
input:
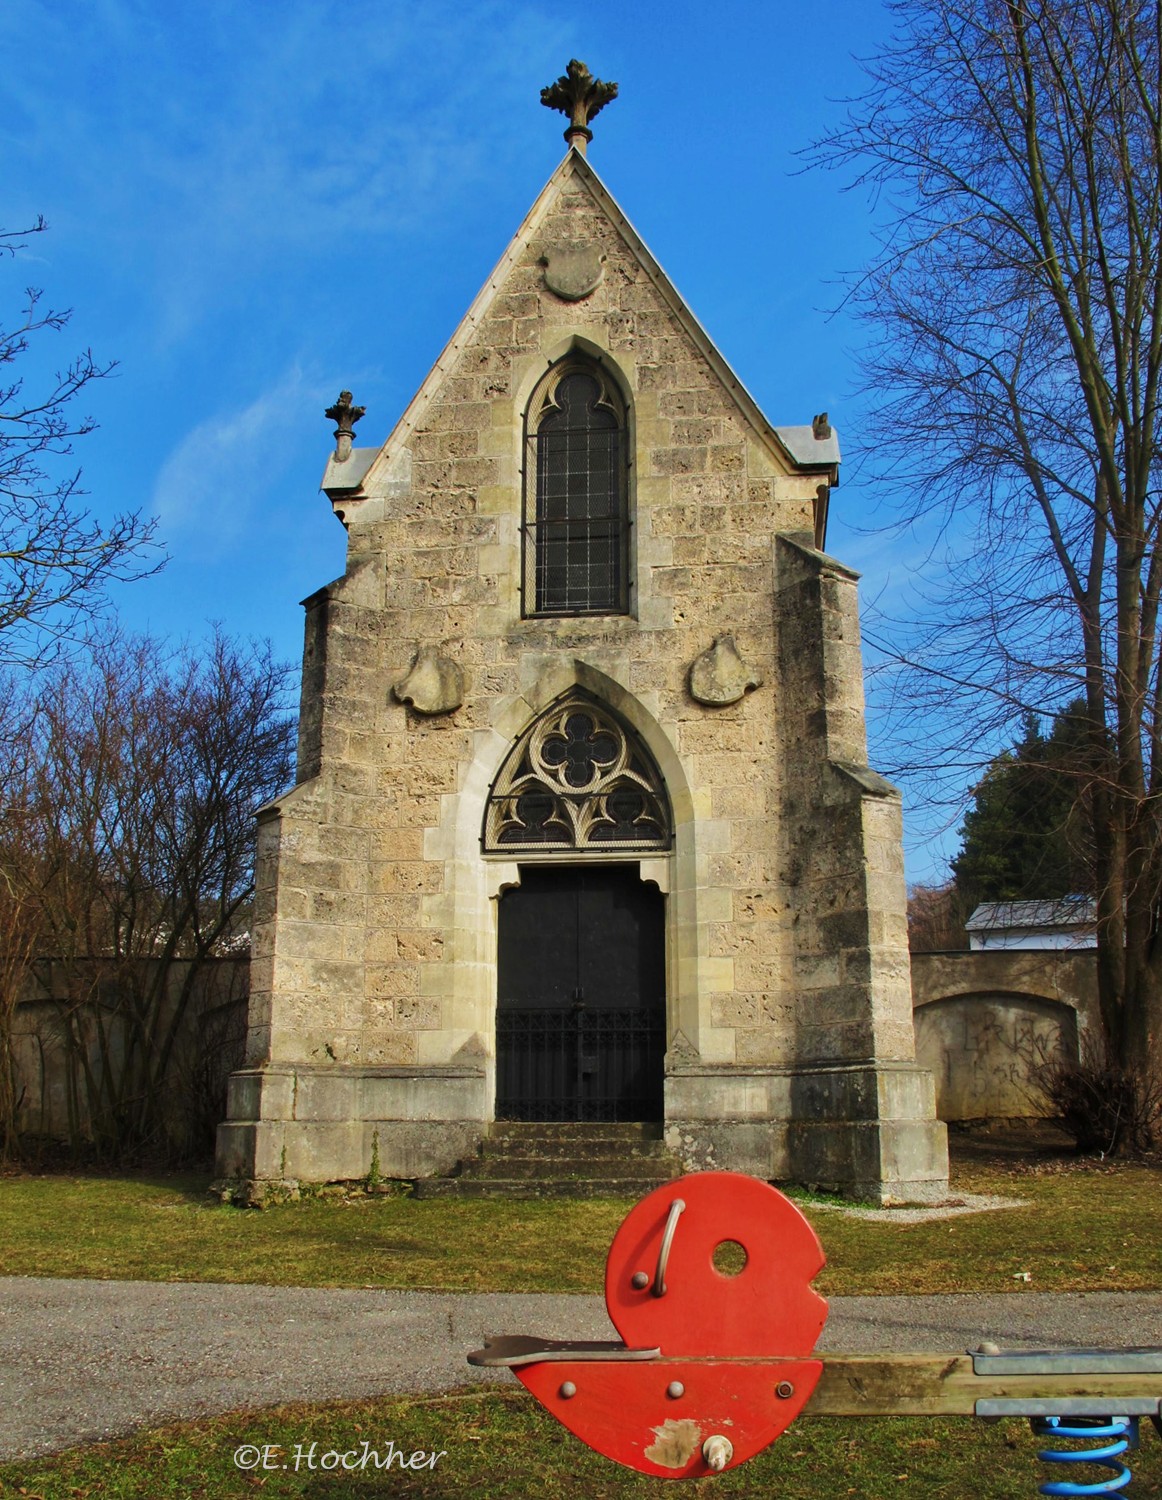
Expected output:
(583, 826)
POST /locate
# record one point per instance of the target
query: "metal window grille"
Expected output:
(576, 524)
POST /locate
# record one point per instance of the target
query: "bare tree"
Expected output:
(147, 766)
(56, 559)
(20, 912)
(936, 919)
(1015, 150)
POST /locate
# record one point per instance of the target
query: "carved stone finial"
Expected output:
(434, 685)
(720, 676)
(580, 96)
(821, 427)
(345, 416)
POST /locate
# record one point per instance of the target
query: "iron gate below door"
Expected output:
(580, 1016)
(578, 1064)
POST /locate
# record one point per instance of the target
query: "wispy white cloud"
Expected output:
(241, 133)
(215, 481)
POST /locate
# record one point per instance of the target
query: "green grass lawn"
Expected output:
(502, 1446)
(1085, 1229)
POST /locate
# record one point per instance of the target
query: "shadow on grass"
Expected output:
(193, 1187)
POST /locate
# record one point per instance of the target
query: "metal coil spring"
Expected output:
(1123, 1431)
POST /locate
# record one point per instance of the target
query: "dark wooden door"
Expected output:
(581, 996)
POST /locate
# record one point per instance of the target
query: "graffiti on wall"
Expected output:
(985, 1051)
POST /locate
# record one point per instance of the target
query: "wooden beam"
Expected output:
(905, 1385)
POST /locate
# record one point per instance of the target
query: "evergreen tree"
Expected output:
(1023, 837)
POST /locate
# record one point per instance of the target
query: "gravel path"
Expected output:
(85, 1360)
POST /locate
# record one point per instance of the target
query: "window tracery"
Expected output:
(576, 779)
(576, 508)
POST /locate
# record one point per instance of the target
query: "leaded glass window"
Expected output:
(576, 517)
(577, 779)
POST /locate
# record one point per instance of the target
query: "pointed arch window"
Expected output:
(578, 779)
(576, 522)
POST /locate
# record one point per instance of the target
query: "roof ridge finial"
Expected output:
(580, 96)
(345, 415)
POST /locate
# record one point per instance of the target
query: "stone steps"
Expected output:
(499, 1187)
(520, 1159)
(489, 1166)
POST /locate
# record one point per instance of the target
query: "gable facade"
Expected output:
(584, 624)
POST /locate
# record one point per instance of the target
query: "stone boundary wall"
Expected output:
(209, 1046)
(982, 1018)
(986, 1020)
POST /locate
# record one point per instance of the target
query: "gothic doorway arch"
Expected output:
(581, 940)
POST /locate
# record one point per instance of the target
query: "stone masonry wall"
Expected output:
(364, 903)
(374, 976)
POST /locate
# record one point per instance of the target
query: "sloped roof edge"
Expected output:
(789, 443)
(785, 440)
(469, 322)
(1062, 911)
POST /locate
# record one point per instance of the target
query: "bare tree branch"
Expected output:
(1015, 364)
(57, 560)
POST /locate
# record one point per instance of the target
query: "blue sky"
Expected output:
(254, 205)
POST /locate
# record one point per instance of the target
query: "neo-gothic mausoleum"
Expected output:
(583, 825)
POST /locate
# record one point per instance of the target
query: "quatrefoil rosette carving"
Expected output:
(576, 780)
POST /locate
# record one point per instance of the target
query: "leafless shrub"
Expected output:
(21, 919)
(1109, 1108)
(133, 843)
(935, 919)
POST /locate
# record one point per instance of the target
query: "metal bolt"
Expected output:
(675, 1389)
(717, 1451)
(784, 1389)
(567, 1390)
(640, 1281)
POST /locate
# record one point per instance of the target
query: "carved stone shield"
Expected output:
(572, 272)
(720, 676)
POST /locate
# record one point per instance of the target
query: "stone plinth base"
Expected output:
(300, 1123)
(862, 1130)
(868, 1131)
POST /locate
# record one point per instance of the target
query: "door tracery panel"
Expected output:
(578, 779)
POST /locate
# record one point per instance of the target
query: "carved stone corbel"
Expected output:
(720, 676)
(434, 685)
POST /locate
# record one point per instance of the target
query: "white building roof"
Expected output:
(1065, 922)
(1065, 911)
